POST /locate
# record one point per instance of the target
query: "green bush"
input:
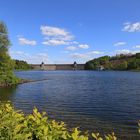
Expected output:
(14, 125)
(8, 79)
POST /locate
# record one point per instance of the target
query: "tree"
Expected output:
(122, 65)
(138, 55)
(89, 66)
(6, 63)
(21, 65)
(4, 40)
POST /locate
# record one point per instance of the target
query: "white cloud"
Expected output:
(127, 51)
(80, 46)
(30, 58)
(135, 51)
(79, 56)
(83, 46)
(24, 41)
(71, 48)
(87, 55)
(95, 52)
(120, 44)
(123, 51)
(53, 31)
(74, 42)
(54, 42)
(137, 46)
(131, 27)
(55, 36)
(12, 53)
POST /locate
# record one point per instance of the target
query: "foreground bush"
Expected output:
(14, 125)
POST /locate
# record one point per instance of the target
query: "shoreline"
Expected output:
(22, 81)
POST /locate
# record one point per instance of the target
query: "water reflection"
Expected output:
(8, 93)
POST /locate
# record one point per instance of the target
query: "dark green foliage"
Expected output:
(21, 65)
(138, 55)
(89, 66)
(118, 62)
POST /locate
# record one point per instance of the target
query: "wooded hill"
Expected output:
(118, 62)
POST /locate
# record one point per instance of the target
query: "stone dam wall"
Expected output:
(58, 67)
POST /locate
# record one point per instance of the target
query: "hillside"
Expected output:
(118, 62)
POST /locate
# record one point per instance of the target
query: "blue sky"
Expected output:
(64, 31)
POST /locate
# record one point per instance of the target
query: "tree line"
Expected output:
(118, 62)
(21, 65)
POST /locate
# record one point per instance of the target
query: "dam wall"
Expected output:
(58, 67)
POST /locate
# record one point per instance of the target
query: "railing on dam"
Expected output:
(58, 67)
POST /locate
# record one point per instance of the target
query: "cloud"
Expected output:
(54, 42)
(30, 58)
(18, 53)
(24, 41)
(137, 46)
(80, 46)
(71, 48)
(55, 36)
(95, 52)
(131, 27)
(135, 51)
(127, 51)
(55, 32)
(83, 46)
(123, 51)
(88, 55)
(120, 44)
(78, 56)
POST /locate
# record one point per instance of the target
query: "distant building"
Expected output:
(100, 67)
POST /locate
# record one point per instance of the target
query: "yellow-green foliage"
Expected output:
(14, 125)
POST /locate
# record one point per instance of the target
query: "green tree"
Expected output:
(123, 65)
(138, 55)
(7, 76)
(89, 66)
(22, 65)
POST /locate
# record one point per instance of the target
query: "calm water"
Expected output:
(94, 101)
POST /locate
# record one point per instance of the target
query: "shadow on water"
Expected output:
(7, 93)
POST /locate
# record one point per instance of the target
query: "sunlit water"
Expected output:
(96, 101)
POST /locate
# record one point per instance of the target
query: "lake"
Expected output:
(103, 101)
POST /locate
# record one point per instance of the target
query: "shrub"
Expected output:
(14, 125)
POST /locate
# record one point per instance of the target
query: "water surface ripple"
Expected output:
(96, 101)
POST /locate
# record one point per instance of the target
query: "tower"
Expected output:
(74, 65)
(42, 66)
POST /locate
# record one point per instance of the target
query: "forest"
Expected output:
(118, 62)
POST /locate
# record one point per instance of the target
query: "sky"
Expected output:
(64, 31)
